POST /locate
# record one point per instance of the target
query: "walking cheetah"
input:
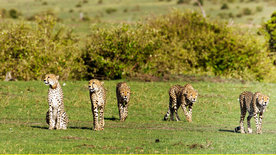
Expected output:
(56, 116)
(184, 96)
(123, 97)
(255, 104)
(98, 101)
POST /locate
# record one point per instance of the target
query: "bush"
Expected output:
(183, 1)
(32, 51)
(13, 13)
(247, 11)
(224, 6)
(259, 8)
(270, 27)
(110, 10)
(177, 43)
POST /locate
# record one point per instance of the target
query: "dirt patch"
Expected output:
(179, 143)
(87, 145)
(74, 138)
(195, 146)
(201, 146)
(139, 148)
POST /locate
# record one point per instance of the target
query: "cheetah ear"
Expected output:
(102, 83)
(57, 77)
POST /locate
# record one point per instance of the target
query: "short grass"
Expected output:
(130, 11)
(216, 113)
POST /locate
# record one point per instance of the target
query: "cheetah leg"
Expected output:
(95, 116)
(121, 111)
(243, 113)
(186, 112)
(64, 121)
(190, 113)
(52, 119)
(249, 124)
(176, 113)
(47, 117)
(257, 122)
(167, 115)
(101, 108)
(260, 123)
(173, 108)
(59, 119)
(125, 112)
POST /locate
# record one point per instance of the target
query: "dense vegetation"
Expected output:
(176, 43)
(270, 27)
(31, 51)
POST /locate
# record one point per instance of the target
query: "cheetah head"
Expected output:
(125, 93)
(94, 85)
(52, 80)
(263, 100)
(191, 95)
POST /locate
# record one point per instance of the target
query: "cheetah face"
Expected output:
(94, 85)
(191, 96)
(125, 94)
(263, 100)
(51, 79)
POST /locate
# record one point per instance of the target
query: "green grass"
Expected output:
(23, 129)
(130, 11)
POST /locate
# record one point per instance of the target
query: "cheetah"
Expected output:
(56, 116)
(184, 96)
(123, 97)
(98, 101)
(255, 104)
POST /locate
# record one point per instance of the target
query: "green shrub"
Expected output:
(118, 51)
(13, 13)
(259, 8)
(177, 43)
(183, 1)
(110, 10)
(270, 27)
(224, 6)
(32, 51)
(44, 3)
(247, 11)
(231, 1)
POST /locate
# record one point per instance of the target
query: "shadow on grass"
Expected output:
(79, 127)
(111, 118)
(40, 127)
(224, 130)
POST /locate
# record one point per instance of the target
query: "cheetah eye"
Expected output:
(93, 82)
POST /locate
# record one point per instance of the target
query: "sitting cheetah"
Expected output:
(255, 104)
(123, 97)
(98, 101)
(56, 117)
(184, 96)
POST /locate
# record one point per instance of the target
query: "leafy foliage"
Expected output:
(29, 52)
(270, 27)
(177, 43)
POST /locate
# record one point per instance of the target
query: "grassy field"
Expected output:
(110, 12)
(23, 129)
